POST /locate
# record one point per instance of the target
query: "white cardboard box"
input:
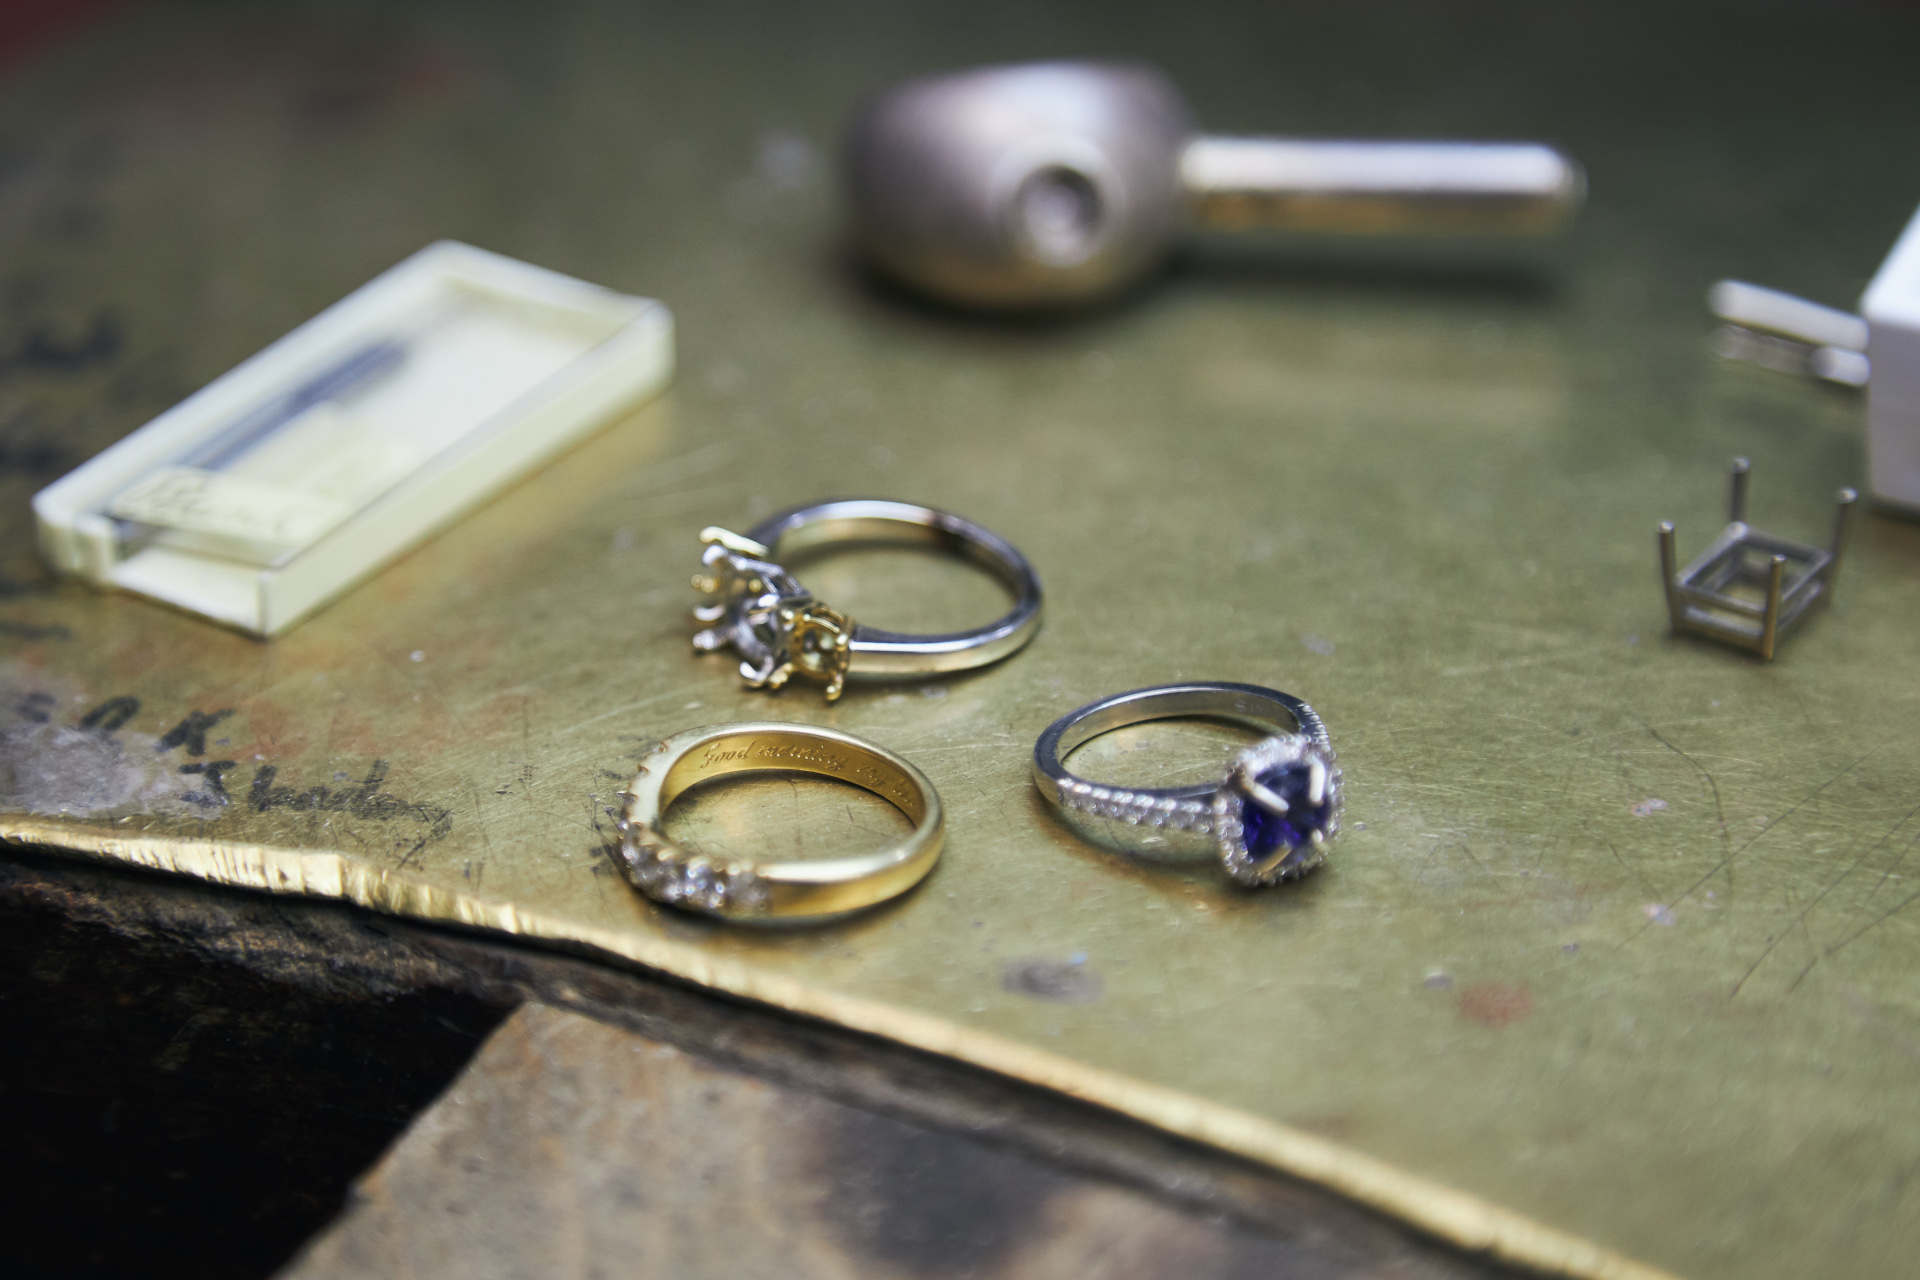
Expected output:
(384, 418)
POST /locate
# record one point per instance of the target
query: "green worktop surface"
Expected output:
(1619, 935)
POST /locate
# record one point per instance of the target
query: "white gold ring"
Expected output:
(1271, 816)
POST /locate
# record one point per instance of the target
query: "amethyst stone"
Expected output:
(1267, 833)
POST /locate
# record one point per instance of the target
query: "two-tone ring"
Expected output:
(749, 889)
(760, 610)
(1271, 816)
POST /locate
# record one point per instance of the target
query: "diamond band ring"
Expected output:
(1271, 816)
(740, 889)
(756, 607)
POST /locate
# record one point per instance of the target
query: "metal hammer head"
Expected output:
(1017, 186)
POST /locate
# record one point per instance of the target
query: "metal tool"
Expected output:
(1051, 183)
(1779, 331)
(1788, 577)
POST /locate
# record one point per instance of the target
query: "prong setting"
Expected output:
(1749, 587)
(1264, 836)
(763, 613)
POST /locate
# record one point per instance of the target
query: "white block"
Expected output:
(1891, 306)
(298, 473)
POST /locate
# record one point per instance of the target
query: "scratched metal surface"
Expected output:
(1618, 937)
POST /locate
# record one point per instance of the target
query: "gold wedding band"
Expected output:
(741, 889)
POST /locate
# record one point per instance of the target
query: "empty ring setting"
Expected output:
(1271, 816)
(758, 609)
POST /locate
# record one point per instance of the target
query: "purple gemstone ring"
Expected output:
(1271, 816)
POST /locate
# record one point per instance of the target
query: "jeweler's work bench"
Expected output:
(1615, 959)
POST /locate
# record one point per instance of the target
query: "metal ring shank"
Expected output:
(887, 653)
(811, 888)
(1164, 702)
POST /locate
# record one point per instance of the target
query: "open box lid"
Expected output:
(309, 466)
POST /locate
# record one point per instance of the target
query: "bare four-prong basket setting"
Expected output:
(1749, 587)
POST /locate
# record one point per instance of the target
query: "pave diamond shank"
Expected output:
(749, 889)
(759, 609)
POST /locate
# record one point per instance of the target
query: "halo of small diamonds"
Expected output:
(1289, 841)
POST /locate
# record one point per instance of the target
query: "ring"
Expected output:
(778, 628)
(1272, 814)
(739, 889)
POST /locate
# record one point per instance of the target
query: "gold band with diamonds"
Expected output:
(744, 889)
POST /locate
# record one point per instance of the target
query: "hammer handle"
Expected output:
(1298, 184)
